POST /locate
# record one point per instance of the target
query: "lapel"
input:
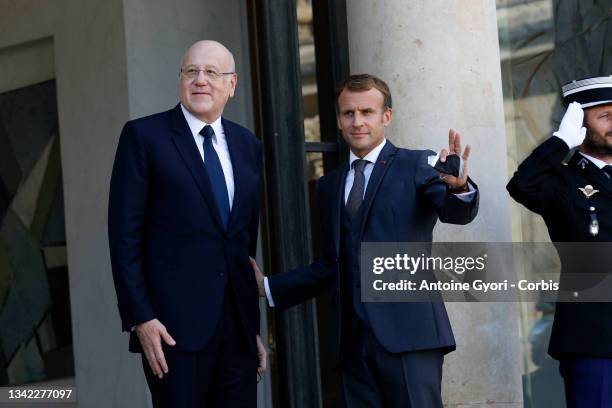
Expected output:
(239, 161)
(338, 203)
(591, 172)
(380, 169)
(183, 140)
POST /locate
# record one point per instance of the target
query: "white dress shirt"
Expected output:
(371, 157)
(367, 170)
(219, 143)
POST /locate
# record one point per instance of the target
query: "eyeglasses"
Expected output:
(193, 72)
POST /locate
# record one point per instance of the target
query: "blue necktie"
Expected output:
(215, 174)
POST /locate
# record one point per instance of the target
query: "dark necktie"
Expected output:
(215, 174)
(608, 170)
(355, 197)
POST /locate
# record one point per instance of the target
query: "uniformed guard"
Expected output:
(567, 180)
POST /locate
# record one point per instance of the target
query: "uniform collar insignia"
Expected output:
(583, 162)
(588, 190)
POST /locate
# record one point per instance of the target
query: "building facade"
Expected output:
(73, 72)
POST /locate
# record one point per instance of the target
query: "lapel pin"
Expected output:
(588, 190)
(383, 162)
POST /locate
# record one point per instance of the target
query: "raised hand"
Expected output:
(571, 130)
(454, 147)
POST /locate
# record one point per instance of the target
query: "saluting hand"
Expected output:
(571, 130)
(454, 147)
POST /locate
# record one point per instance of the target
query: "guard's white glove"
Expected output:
(571, 130)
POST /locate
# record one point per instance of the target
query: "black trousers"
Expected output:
(588, 381)
(221, 375)
(375, 378)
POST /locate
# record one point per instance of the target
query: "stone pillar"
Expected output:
(441, 61)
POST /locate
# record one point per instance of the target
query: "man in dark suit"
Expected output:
(183, 220)
(567, 181)
(390, 354)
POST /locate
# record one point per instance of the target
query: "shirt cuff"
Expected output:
(468, 195)
(268, 292)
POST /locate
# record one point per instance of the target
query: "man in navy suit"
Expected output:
(390, 354)
(183, 219)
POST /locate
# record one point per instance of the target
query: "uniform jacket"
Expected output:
(548, 183)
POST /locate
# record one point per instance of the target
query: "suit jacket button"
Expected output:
(221, 274)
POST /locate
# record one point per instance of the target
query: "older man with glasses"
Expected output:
(183, 219)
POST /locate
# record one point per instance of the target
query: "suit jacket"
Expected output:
(547, 183)
(171, 257)
(403, 200)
